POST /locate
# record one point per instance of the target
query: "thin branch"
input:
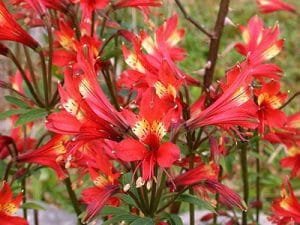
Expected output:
(50, 54)
(45, 77)
(192, 21)
(290, 99)
(28, 83)
(244, 174)
(31, 69)
(215, 43)
(106, 42)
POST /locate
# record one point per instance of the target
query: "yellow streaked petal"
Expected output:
(174, 38)
(8, 208)
(141, 129)
(275, 102)
(148, 44)
(133, 61)
(158, 128)
(72, 107)
(271, 52)
(241, 96)
(160, 89)
(101, 181)
(294, 150)
(246, 35)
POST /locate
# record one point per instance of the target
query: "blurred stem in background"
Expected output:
(244, 170)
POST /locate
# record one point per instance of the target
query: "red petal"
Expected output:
(131, 150)
(167, 154)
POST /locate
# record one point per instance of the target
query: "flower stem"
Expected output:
(111, 89)
(217, 196)
(159, 191)
(93, 23)
(36, 217)
(23, 183)
(257, 181)
(153, 194)
(290, 100)
(7, 170)
(73, 198)
(215, 42)
(31, 70)
(50, 55)
(45, 78)
(243, 158)
(191, 20)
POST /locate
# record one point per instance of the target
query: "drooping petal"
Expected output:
(96, 198)
(199, 174)
(10, 30)
(51, 154)
(228, 196)
(269, 6)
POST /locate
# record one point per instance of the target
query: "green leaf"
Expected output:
(143, 221)
(15, 101)
(196, 201)
(32, 205)
(173, 219)
(110, 210)
(126, 178)
(128, 218)
(30, 116)
(111, 53)
(9, 113)
(127, 199)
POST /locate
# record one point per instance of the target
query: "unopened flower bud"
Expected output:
(149, 184)
(139, 182)
(126, 187)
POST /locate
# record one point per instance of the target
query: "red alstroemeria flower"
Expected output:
(269, 6)
(288, 134)
(9, 206)
(261, 43)
(150, 127)
(149, 53)
(286, 209)
(87, 111)
(51, 154)
(292, 160)
(65, 53)
(197, 175)
(93, 94)
(77, 118)
(234, 107)
(204, 178)
(106, 185)
(10, 30)
(269, 100)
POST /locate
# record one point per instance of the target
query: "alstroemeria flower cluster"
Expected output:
(121, 121)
